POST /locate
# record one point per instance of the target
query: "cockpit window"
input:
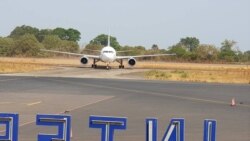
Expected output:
(108, 52)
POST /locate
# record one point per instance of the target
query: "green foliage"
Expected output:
(103, 41)
(130, 50)
(67, 34)
(22, 30)
(89, 47)
(26, 46)
(155, 47)
(73, 34)
(191, 43)
(5, 46)
(247, 55)
(69, 46)
(227, 53)
(207, 52)
(27, 41)
(53, 42)
(179, 50)
(64, 34)
(227, 45)
(43, 33)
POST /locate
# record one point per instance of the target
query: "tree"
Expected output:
(191, 43)
(155, 47)
(70, 34)
(74, 35)
(55, 43)
(91, 47)
(61, 33)
(69, 46)
(228, 45)
(43, 33)
(227, 51)
(27, 45)
(247, 56)
(103, 40)
(178, 49)
(52, 42)
(22, 30)
(5, 45)
(207, 52)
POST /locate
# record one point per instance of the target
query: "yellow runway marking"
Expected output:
(34, 103)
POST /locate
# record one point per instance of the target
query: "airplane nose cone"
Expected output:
(108, 57)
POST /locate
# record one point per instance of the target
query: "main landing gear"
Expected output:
(121, 66)
(94, 64)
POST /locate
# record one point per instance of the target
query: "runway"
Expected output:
(134, 99)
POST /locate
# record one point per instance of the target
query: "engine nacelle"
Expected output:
(84, 60)
(131, 61)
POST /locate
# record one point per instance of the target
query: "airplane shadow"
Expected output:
(100, 67)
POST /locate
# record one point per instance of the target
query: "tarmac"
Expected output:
(74, 90)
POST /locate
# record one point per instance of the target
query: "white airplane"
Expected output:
(107, 55)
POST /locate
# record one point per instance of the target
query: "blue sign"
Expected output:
(107, 125)
(209, 130)
(10, 121)
(63, 122)
(151, 129)
(175, 131)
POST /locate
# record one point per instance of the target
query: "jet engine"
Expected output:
(131, 61)
(84, 60)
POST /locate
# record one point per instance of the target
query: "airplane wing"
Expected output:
(91, 50)
(142, 56)
(70, 53)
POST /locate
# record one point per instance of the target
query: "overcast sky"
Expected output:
(136, 22)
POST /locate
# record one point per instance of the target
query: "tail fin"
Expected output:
(109, 39)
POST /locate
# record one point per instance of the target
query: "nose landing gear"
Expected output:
(108, 67)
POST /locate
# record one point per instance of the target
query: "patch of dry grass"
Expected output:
(222, 73)
(14, 64)
(192, 66)
(6, 67)
(222, 76)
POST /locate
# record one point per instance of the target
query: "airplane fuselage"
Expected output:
(108, 54)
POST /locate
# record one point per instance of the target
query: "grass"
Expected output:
(198, 72)
(13, 67)
(223, 76)
(222, 73)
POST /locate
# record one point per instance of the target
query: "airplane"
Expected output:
(107, 55)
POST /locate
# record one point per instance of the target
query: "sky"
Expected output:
(136, 22)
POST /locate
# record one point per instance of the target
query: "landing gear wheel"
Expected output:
(108, 67)
(121, 67)
(94, 66)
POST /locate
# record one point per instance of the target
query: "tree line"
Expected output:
(26, 41)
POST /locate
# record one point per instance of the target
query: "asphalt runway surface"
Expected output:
(134, 99)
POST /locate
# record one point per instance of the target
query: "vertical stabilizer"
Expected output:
(109, 39)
